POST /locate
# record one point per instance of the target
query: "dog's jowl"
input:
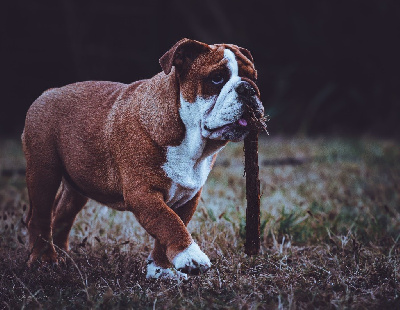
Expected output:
(145, 147)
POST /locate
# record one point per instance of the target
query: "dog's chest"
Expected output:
(188, 171)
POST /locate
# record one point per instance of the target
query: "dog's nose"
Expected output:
(245, 89)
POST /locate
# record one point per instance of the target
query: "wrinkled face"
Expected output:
(216, 92)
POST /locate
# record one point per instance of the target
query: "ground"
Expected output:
(330, 226)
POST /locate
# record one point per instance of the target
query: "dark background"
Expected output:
(325, 67)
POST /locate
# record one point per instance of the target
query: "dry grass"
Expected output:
(330, 236)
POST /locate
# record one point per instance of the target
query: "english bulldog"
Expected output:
(145, 147)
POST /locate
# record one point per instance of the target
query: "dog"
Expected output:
(145, 147)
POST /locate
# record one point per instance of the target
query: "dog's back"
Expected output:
(66, 127)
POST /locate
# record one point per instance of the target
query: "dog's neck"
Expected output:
(157, 100)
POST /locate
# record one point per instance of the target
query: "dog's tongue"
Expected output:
(242, 122)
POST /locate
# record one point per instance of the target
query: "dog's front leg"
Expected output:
(158, 263)
(169, 230)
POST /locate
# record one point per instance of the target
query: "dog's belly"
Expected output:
(98, 191)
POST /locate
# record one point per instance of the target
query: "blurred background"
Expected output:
(325, 67)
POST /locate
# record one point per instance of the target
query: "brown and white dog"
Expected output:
(146, 147)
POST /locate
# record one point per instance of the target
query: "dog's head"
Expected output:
(217, 88)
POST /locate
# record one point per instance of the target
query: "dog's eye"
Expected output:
(217, 79)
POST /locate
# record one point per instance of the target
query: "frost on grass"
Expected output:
(330, 214)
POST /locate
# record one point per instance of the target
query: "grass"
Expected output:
(330, 236)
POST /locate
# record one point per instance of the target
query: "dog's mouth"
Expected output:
(242, 122)
(235, 131)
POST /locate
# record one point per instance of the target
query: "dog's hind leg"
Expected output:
(67, 206)
(43, 179)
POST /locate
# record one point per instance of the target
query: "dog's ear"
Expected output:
(182, 54)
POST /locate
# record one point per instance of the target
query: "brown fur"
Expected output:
(107, 141)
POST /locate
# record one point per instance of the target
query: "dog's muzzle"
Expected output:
(247, 94)
(239, 126)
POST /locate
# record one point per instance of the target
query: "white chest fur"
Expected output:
(187, 164)
(187, 178)
(187, 168)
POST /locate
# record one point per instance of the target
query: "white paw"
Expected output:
(192, 260)
(157, 272)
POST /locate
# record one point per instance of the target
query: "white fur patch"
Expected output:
(157, 272)
(192, 258)
(232, 63)
(187, 165)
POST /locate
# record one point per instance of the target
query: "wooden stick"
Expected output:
(252, 245)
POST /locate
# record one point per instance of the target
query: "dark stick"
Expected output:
(252, 246)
